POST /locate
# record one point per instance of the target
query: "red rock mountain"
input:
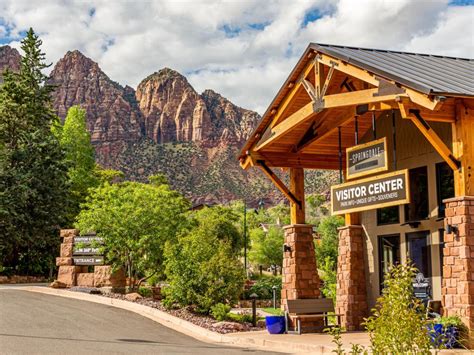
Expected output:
(165, 126)
(9, 58)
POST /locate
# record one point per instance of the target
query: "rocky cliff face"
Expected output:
(9, 58)
(112, 115)
(163, 127)
(174, 112)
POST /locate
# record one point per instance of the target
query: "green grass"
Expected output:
(273, 311)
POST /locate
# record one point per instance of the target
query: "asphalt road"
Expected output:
(34, 323)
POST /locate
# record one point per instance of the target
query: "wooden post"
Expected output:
(352, 219)
(297, 189)
(463, 150)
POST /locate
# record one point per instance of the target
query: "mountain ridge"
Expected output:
(162, 126)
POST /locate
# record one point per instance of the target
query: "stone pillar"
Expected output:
(300, 275)
(67, 271)
(458, 262)
(351, 292)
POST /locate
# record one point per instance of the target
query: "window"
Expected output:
(389, 254)
(388, 215)
(418, 207)
(419, 251)
(444, 185)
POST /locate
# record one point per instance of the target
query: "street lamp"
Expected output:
(261, 204)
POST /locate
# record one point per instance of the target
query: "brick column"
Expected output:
(458, 262)
(351, 292)
(300, 275)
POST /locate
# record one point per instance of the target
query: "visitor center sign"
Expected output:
(375, 192)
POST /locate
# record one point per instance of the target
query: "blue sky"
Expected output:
(241, 49)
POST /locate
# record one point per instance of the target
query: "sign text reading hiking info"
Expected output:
(367, 158)
(375, 192)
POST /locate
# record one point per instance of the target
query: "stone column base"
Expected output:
(458, 262)
(351, 292)
(300, 274)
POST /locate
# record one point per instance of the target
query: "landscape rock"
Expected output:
(85, 279)
(104, 277)
(133, 296)
(57, 284)
(66, 250)
(65, 233)
(67, 275)
(62, 261)
(231, 326)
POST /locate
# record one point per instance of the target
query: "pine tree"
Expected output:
(33, 181)
(75, 140)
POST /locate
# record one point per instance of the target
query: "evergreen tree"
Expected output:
(75, 140)
(33, 188)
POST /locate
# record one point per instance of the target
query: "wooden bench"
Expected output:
(309, 309)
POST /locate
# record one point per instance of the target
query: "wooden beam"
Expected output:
(417, 97)
(301, 116)
(297, 211)
(352, 219)
(310, 90)
(279, 184)
(360, 97)
(433, 138)
(349, 69)
(463, 149)
(318, 129)
(330, 101)
(289, 97)
(300, 160)
(318, 77)
(446, 113)
(327, 81)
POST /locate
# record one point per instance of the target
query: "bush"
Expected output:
(329, 277)
(242, 317)
(266, 247)
(220, 311)
(145, 292)
(398, 323)
(202, 268)
(264, 288)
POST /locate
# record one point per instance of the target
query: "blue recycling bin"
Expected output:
(275, 324)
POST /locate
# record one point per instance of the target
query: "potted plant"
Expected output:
(445, 331)
(276, 323)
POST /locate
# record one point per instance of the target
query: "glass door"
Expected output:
(419, 251)
(389, 254)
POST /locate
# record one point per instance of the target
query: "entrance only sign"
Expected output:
(375, 192)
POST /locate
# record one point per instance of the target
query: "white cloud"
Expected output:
(241, 49)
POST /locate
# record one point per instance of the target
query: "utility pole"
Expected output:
(245, 237)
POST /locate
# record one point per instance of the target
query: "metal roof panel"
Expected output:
(424, 72)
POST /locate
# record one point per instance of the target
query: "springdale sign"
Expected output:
(368, 158)
(375, 192)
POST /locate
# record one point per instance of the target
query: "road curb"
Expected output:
(188, 328)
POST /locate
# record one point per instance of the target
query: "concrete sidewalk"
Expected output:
(285, 343)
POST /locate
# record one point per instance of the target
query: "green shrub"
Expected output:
(145, 292)
(264, 288)
(398, 323)
(202, 268)
(241, 317)
(153, 280)
(220, 311)
(328, 274)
